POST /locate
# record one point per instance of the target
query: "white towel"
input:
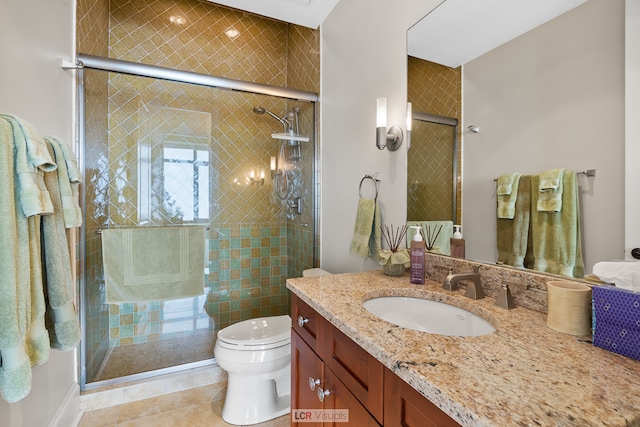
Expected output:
(624, 274)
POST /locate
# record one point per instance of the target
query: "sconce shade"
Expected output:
(381, 113)
(409, 124)
(391, 139)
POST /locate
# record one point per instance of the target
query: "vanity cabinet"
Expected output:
(405, 407)
(323, 359)
(327, 365)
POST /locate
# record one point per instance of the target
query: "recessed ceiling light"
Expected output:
(177, 19)
(232, 33)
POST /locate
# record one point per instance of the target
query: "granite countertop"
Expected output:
(523, 374)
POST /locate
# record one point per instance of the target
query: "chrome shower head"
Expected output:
(284, 121)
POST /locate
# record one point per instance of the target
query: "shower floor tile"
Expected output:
(145, 357)
(198, 407)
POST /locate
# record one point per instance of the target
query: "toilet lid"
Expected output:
(255, 333)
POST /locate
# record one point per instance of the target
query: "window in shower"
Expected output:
(186, 181)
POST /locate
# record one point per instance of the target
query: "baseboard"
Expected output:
(152, 387)
(68, 413)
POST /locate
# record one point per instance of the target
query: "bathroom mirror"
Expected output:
(552, 97)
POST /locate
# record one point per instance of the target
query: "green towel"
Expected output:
(32, 160)
(68, 177)
(15, 368)
(557, 246)
(153, 264)
(512, 235)
(507, 193)
(366, 233)
(442, 244)
(23, 338)
(550, 186)
(62, 319)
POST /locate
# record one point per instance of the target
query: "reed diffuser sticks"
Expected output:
(393, 237)
(429, 241)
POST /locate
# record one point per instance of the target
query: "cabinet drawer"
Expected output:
(305, 321)
(360, 372)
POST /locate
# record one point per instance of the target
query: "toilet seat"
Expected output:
(262, 333)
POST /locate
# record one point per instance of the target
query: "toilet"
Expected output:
(256, 354)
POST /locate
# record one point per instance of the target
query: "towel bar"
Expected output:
(99, 230)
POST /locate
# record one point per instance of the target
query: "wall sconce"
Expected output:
(392, 139)
(409, 124)
(272, 166)
(254, 180)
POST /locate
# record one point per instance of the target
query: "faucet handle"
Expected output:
(444, 267)
(505, 300)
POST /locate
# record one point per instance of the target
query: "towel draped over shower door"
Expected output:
(153, 263)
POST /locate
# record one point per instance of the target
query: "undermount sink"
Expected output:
(428, 316)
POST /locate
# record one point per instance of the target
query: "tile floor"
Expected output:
(197, 407)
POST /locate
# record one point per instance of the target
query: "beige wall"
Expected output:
(34, 87)
(569, 114)
(363, 57)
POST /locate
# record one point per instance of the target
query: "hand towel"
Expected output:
(557, 242)
(32, 160)
(624, 274)
(441, 245)
(153, 264)
(62, 318)
(366, 234)
(505, 184)
(550, 186)
(68, 181)
(507, 193)
(512, 235)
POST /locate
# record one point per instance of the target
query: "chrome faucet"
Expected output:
(473, 291)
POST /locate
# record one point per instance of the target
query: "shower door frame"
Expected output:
(453, 122)
(84, 61)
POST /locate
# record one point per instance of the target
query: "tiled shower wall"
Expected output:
(252, 246)
(436, 89)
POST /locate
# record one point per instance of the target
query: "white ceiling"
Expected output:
(458, 31)
(454, 33)
(307, 13)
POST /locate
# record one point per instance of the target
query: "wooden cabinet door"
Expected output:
(340, 397)
(405, 407)
(305, 365)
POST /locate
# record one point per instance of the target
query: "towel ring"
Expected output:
(375, 182)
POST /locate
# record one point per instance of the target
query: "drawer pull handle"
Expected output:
(322, 393)
(313, 383)
(302, 321)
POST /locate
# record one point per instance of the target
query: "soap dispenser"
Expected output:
(457, 242)
(417, 257)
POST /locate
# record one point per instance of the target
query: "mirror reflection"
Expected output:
(551, 98)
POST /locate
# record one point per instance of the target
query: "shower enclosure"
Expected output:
(161, 147)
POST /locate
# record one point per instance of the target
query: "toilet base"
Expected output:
(255, 399)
